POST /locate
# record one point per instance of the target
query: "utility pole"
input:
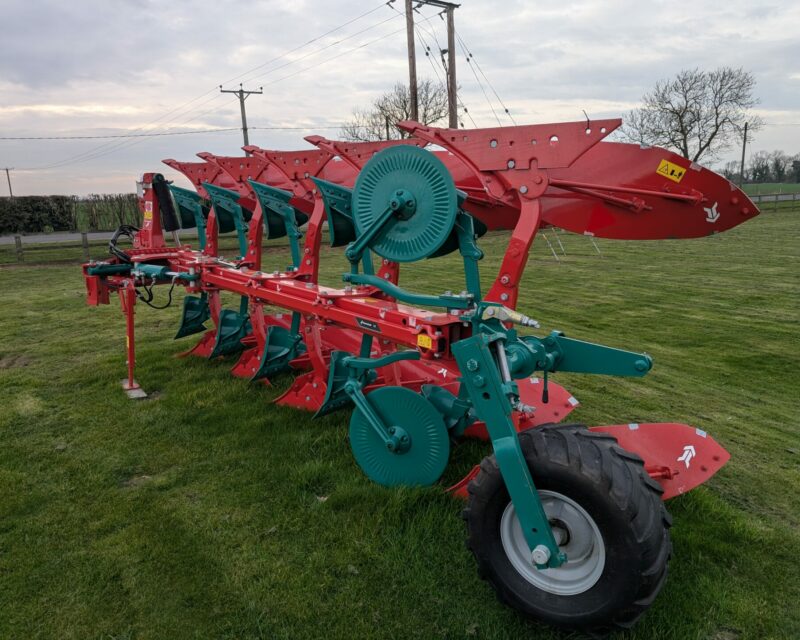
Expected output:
(388, 129)
(452, 100)
(741, 166)
(452, 87)
(8, 177)
(412, 61)
(242, 95)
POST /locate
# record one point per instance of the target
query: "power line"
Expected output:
(112, 146)
(122, 135)
(320, 50)
(470, 59)
(431, 59)
(435, 60)
(332, 58)
(319, 37)
(167, 133)
(448, 9)
(480, 84)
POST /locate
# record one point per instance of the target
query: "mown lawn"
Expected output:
(207, 512)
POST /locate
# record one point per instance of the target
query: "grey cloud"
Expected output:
(156, 55)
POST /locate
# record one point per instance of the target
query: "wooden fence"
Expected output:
(775, 198)
(21, 249)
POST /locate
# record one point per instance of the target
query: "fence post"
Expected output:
(18, 245)
(85, 243)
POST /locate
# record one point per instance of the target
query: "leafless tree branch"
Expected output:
(393, 106)
(699, 114)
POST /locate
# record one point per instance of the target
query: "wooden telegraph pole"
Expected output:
(8, 178)
(242, 95)
(741, 166)
(452, 87)
(412, 61)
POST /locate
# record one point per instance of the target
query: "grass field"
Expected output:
(207, 512)
(772, 187)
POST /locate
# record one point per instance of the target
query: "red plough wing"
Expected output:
(677, 456)
(627, 192)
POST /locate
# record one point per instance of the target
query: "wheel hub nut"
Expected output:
(540, 554)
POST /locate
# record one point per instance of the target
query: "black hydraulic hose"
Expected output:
(127, 230)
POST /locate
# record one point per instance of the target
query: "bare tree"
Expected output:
(696, 113)
(393, 106)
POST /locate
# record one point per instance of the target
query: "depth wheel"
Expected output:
(422, 459)
(607, 516)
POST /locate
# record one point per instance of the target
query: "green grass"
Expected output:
(207, 512)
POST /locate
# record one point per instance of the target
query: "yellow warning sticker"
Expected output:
(670, 170)
(424, 341)
(148, 215)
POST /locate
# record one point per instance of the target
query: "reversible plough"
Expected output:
(566, 522)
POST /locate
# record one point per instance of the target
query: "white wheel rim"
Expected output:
(586, 552)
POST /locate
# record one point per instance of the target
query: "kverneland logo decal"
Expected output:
(368, 325)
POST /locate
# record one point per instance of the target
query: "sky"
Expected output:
(115, 67)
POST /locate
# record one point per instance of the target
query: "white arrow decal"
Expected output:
(712, 215)
(443, 372)
(688, 454)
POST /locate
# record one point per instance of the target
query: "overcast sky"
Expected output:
(98, 67)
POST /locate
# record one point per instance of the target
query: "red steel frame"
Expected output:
(520, 177)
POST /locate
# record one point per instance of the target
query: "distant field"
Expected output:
(772, 187)
(208, 512)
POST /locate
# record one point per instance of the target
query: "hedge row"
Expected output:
(37, 214)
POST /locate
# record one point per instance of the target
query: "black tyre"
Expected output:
(607, 515)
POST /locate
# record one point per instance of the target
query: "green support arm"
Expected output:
(487, 392)
(393, 439)
(102, 269)
(376, 363)
(450, 302)
(556, 352)
(161, 272)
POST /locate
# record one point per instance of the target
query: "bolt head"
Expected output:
(479, 381)
(493, 143)
(472, 364)
(540, 554)
(511, 164)
(504, 297)
(523, 189)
